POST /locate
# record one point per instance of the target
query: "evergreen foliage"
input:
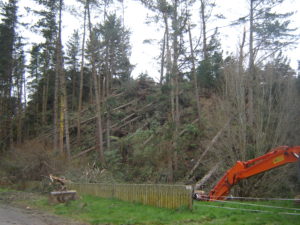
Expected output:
(7, 45)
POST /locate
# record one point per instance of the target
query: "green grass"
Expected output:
(5, 190)
(109, 211)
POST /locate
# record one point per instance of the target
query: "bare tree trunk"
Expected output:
(194, 75)
(241, 56)
(45, 86)
(10, 110)
(162, 62)
(99, 132)
(175, 73)
(240, 99)
(43, 101)
(108, 84)
(55, 110)
(37, 105)
(169, 80)
(11, 134)
(170, 164)
(81, 79)
(169, 60)
(123, 14)
(64, 120)
(203, 21)
(251, 68)
(20, 109)
(46, 100)
(170, 68)
(73, 101)
(25, 102)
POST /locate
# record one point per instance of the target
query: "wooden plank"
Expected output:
(62, 192)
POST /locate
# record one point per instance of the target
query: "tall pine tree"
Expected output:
(7, 45)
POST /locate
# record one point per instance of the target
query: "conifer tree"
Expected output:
(115, 64)
(7, 45)
(47, 26)
(209, 69)
(269, 32)
(36, 77)
(19, 81)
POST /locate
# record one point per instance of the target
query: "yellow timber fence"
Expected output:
(165, 196)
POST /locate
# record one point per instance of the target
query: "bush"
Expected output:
(31, 161)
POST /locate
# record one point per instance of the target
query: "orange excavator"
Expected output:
(242, 170)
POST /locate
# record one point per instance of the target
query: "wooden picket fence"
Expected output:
(159, 195)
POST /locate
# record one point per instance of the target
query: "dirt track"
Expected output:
(10, 215)
(22, 215)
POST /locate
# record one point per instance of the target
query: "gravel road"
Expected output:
(10, 215)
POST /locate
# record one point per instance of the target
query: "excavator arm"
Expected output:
(242, 170)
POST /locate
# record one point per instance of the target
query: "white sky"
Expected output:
(143, 55)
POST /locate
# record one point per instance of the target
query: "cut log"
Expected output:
(144, 107)
(62, 196)
(130, 121)
(123, 106)
(184, 130)
(148, 140)
(127, 117)
(84, 152)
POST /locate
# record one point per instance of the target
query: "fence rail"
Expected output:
(165, 196)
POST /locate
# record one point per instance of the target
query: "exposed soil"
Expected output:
(12, 212)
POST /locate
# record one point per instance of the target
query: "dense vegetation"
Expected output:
(79, 112)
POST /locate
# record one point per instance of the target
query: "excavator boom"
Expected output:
(242, 170)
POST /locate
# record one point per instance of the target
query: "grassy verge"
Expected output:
(4, 190)
(110, 211)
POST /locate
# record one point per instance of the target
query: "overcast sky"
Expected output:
(143, 55)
